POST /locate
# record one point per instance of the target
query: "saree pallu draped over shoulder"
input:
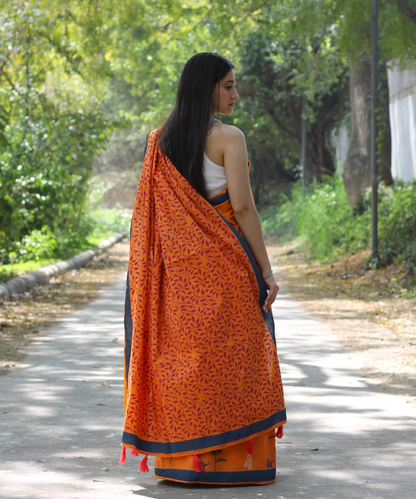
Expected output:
(203, 391)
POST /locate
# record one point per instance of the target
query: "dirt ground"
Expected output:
(22, 318)
(371, 312)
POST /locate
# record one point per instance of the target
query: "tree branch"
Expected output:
(406, 9)
(281, 125)
(10, 81)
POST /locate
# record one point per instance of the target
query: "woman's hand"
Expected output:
(273, 288)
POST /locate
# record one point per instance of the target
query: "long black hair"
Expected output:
(182, 137)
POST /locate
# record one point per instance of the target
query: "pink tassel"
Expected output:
(198, 464)
(279, 432)
(134, 452)
(250, 447)
(123, 456)
(143, 465)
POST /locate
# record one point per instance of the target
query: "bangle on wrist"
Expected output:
(268, 274)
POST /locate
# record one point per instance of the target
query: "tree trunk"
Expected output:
(384, 154)
(257, 177)
(356, 171)
(407, 10)
(357, 165)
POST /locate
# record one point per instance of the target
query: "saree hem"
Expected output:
(215, 483)
(191, 444)
(217, 477)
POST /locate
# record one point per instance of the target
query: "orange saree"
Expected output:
(203, 391)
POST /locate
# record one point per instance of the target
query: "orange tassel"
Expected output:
(123, 456)
(134, 452)
(143, 465)
(198, 464)
(250, 447)
(279, 432)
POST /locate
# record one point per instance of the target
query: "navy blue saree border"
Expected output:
(267, 316)
(220, 198)
(196, 444)
(218, 477)
(128, 329)
(128, 321)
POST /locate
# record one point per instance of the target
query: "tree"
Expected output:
(70, 73)
(398, 42)
(51, 127)
(351, 20)
(277, 64)
(273, 80)
(407, 10)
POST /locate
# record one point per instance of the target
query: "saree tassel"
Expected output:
(134, 452)
(122, 456)
(143, 465)
(198, 464)
(250, 447)
(279, 432)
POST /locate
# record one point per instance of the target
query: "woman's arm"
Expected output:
(235, 163)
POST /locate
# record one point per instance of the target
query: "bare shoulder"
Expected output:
(227, 133)
(223, 141)
(228, 130)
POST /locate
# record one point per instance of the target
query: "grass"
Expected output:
(327, 227)
(15, 269)
(46, 248)
(321, 218)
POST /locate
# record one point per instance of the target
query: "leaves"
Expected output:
(49, 126)
(72, 73)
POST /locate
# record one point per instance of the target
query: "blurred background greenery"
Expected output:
(82, 82)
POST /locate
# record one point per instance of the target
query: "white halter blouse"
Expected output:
(214, 175)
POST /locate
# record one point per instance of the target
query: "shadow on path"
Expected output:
(62, 414)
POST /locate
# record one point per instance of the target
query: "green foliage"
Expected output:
(275, 72)
(50, 129)
(148, 45)
(322, 218)
(352, 20)
(73, 72)
(329, 227)
(38, 245)
(397, 221)
(101, 220)
(12, 270)
(44, 173)
(96, 224)
(42, 247)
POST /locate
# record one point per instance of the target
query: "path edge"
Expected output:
(43, 275)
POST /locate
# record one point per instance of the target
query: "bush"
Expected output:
(329, 227)
(397, 222)
(38, 245)
(95, 224)
(44, 173)
(322, 218)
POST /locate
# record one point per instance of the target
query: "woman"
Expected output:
(203, 391)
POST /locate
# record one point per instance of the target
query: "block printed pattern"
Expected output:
(202, 360)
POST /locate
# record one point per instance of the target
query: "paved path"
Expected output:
(61, 418)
